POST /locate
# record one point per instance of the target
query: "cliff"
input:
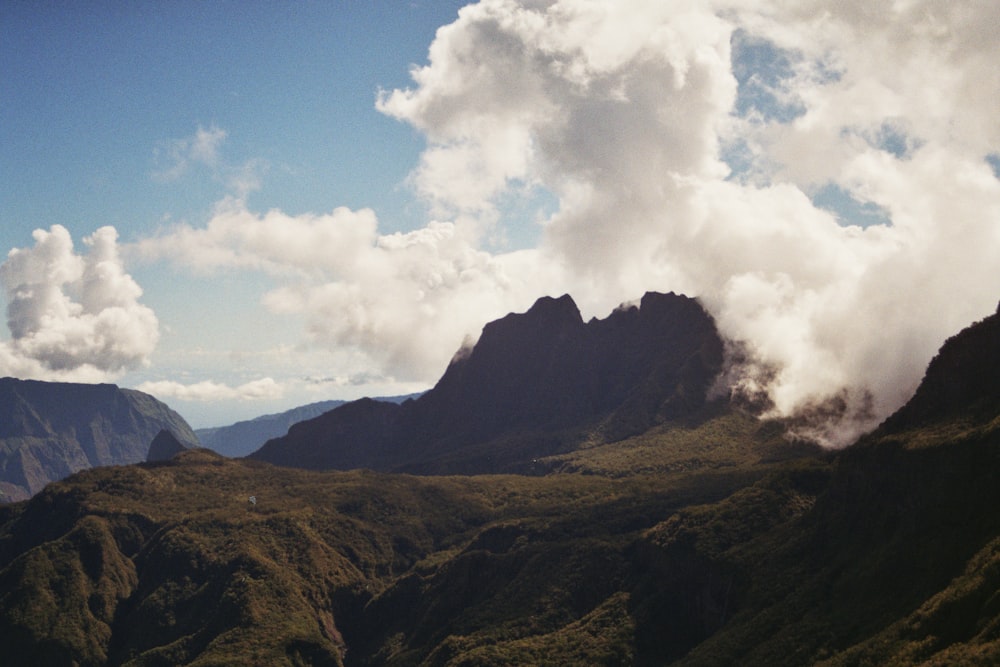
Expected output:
(49, 430)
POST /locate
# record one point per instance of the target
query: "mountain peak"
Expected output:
(49, 430)
(548, 316)
(550, 309)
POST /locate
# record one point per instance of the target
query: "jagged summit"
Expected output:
(540, 372)
(554, 308)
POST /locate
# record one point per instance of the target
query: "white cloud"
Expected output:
(209, 391)
(626, 112)
(623, 110)
(405, 300)
(73, 317)
(175, 158)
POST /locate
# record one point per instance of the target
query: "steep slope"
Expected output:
(962, 381)
(535, 384)
(244, 437)
(49, 430)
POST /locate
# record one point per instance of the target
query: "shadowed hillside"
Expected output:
(898, 561)
(170, 563)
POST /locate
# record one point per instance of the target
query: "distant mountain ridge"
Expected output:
(247, 436)
(49, 430)
(545, 374)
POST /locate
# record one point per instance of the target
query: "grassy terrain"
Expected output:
(170, 563)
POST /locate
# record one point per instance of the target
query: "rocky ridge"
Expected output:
(544, 378)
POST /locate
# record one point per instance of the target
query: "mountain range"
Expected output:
(655, 527)
(50, 430)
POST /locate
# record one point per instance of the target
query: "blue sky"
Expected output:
(92, 92)
(242, 207)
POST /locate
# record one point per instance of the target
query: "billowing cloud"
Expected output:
(405, 300)
(73, 317)
(633, 113)
(207, 390)
(688, 146)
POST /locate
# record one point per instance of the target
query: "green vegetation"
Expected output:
(170, 563)
(707, 553)
(716, 437)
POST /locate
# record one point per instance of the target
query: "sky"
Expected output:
(244, 207)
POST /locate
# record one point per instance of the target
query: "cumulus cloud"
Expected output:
(208, 391)
(628, 113)
(71, 316)
(686, 144)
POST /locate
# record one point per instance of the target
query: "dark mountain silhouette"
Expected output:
(165, 446)
(544, 378)
(49, 430)
(247, 436)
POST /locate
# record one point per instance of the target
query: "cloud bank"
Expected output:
(690, 146)
(73, 317)
(684, 142)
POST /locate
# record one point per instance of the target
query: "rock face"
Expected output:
(165, 446)
(529, 387)
(49, 430)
